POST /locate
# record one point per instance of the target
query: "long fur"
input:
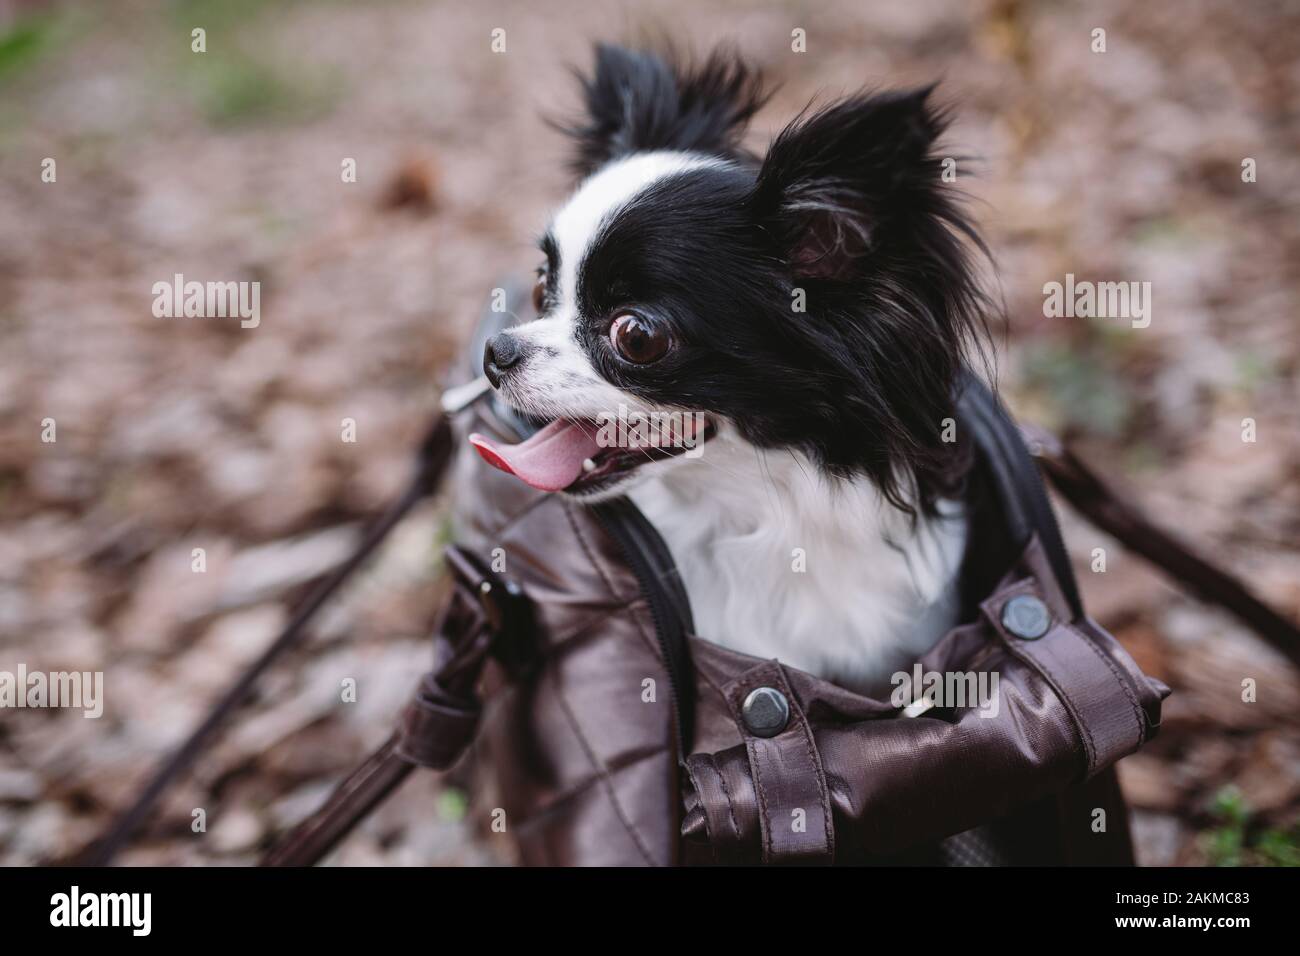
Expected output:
(821, 303)
(643, 102)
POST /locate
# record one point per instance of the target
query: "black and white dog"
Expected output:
(816, 306)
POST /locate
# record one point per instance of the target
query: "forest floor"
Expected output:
(180, 434)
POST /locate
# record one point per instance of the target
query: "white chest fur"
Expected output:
(826, 577)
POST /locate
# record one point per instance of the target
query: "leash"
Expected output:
(441, 719)
(431, 463)
(424, 741)
(483, 613)
(1093, 499)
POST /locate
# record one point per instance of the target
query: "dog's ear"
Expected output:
(836, 182)
(637, 101)
(852, 199)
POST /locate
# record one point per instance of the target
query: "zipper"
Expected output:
(670, 607)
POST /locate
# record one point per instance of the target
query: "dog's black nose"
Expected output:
(502, 351)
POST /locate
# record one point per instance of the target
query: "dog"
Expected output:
(801, 319)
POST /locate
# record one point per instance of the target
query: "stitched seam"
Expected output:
(731, 813)
(1059, 687)
(764, 829)
(695, 782)
(586, 549)
(1026, 587)
(700, 672)
(650, 642)
(578, 789)
(581, 630)
(603, 771)
(519, 515)
(1137, 710)
(764, 819)
(827, 826)
(619, 609)
(709, 685)
(604, 577)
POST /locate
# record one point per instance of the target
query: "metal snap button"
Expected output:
(765, 711)
(1026, 617)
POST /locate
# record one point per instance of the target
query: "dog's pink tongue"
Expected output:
(549, 460)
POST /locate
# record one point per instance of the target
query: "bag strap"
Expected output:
(1092, 498)
(1019, 455)
(440, 721)
(1017, 482)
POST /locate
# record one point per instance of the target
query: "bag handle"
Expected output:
(442, 718)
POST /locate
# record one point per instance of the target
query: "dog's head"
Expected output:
(819, 299)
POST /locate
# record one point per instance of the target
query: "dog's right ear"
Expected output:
(638, 101)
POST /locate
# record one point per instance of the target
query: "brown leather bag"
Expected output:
(592, 762)
(589, 772)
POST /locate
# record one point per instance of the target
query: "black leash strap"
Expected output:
(1080, 486)
(434, 455)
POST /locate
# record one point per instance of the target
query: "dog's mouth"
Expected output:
(577, 455)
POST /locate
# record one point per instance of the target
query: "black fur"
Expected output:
(849, 207)
(639, 101)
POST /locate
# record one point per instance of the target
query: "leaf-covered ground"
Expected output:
(176, 434)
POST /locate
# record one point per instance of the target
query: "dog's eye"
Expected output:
(539, 290)
(636, 340)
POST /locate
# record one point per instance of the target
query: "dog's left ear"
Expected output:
(837, 182)
(638, 100)
(852, 199)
